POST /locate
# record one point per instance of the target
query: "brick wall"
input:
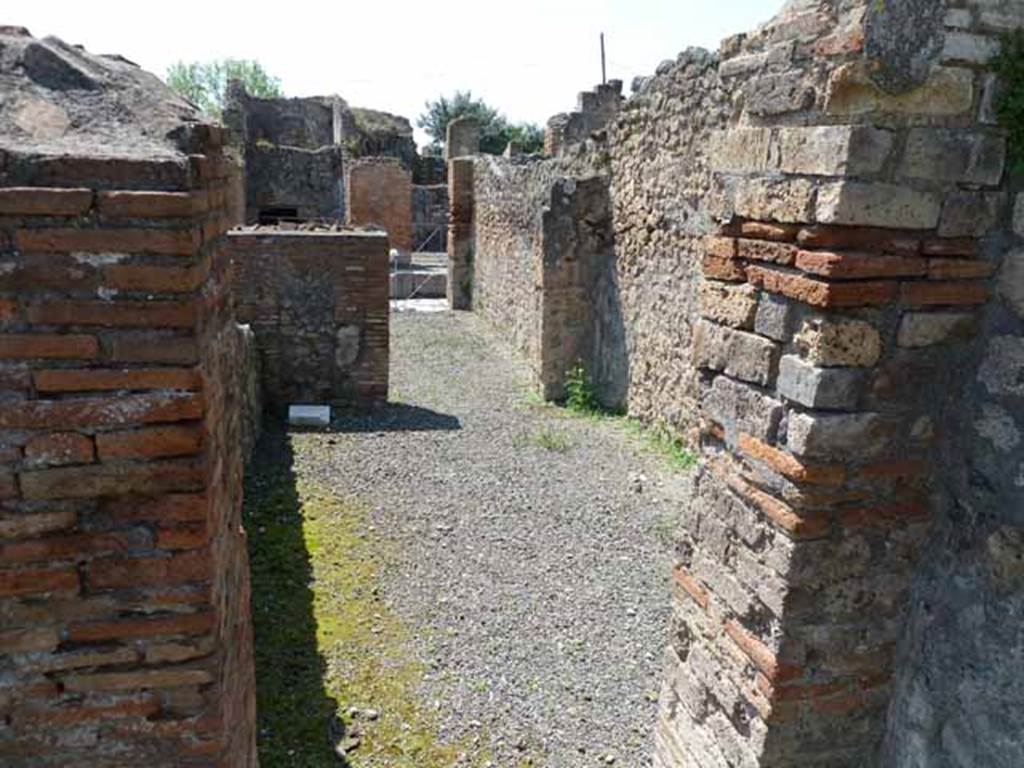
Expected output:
(379, 193)
(124, 581)
(317, 303)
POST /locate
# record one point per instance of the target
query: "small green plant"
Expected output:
(579, 391)
(660, 441)
(1009, 66)
(546, 438)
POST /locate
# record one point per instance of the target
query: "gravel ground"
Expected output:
(533, 548)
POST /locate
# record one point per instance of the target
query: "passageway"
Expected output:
(489, 574)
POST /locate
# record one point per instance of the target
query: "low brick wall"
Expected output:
(124, 584)
(379, 194)
(317, 303)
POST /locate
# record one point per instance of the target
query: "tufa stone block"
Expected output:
(732, 305)
(925, 329)
(838, 437)
(839, 343)
(741, 150)
(954, 156)
(967, 48)
(969, 214)
(742, 408)
(785, 200)
(774, 317)
(831, 388)
(947, 91)
(742, 355)
(834, 150)
(877, 205)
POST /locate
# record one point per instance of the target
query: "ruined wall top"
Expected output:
(314, 122)
(594, 110)
(61, 100)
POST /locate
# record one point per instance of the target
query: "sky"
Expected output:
(527, 58)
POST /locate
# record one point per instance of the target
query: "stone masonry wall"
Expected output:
(660, 183)
(317, 303)
(379, 193)
(542, 250)
(124, 580)
(307, 183)
(807, 230)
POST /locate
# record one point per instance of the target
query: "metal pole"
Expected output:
(604, 71)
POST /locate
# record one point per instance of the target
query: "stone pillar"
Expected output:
(460, 233)
(462, 139)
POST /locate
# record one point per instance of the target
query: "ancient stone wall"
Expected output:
(542, 251)
(379, 193)
(430, 218)
(124, 580)
(317, 303)
(806, 232)
(594, 110)
(286, 183)
(660, 184)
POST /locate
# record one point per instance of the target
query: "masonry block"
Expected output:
(877, 205)
(727, 304)
(739, 407)
(954, 156)
(742, 355)
(829, 388)
(826, 342)
(774, 317)
(838, 436)
(925, 329)
(462, 138)
(833, 150)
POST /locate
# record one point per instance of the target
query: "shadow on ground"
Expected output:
(297, 718)
(395, 417)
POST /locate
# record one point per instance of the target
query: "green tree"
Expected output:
(495, 130)
(204, 83)
(529, 137)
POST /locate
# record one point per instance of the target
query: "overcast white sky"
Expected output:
(528, 58)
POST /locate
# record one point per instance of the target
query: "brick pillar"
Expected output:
(462, 138)
(124, 587)
(460, 233)
(379, 193)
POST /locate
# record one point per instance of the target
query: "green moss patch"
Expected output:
(336, 681)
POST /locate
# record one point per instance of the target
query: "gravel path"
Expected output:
(533, 549)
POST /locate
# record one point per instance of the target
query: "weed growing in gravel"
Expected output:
(332, 662)
(546, 438)
(662, 443)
